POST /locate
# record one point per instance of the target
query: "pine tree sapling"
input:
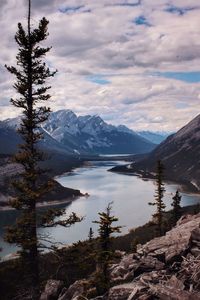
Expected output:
(176, 206)
(90, 235)
(104, 252)
(159, 194)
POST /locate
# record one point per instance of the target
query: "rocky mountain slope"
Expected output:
(180, 154)
(165, 268)
(11, 139)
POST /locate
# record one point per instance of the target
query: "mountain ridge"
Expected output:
(179, 154)
(67, 133)
(91, 134)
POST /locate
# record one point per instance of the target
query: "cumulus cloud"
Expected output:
(113, 57)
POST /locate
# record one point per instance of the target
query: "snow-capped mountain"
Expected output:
(10, 138)
(66, 133)
(90, 134)
(154, 137)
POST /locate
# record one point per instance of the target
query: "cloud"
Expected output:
(111, 61)
(179, 10)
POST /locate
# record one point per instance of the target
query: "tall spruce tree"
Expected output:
(104, 252)
(31, 73)
(159, 194)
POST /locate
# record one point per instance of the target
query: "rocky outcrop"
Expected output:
(176, 242)
(52, 290)
(166, 268)
(75, 290)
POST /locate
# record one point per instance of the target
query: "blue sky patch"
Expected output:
(179, 10)
(182, 105)
(99, 79)
(141, 20)
(190, 77)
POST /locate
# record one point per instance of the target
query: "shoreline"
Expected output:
(185, 186)
(48, 203)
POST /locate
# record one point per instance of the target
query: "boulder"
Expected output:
(176, 241)
(52, 290)
(130, 266)
(170, 293)
(126, 291)
(75, 290)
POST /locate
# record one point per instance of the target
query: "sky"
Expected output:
(133, 62)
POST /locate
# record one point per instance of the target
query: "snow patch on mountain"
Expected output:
(89, 134)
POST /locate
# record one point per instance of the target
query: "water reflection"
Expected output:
(130, 196)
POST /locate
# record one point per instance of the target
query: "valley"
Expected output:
(103, 187)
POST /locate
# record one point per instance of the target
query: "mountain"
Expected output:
(58, 157)
(91, 135)
(10, 138)
(180, 154)
(65, 133)
(154, 137)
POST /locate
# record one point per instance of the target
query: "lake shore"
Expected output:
(48, 203)
(57, 195)
(184, 186)
(131, 195)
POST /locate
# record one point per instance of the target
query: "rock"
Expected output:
(130, 267)
(125, 291)
(147, 264)
(196, 234)
(170, 293)
(174, 282)
(76, 289)
(127, 260)
(52, 290)
(119, 253)
(176, 241)
(124, 270)
(195, 251)
(187, 218)
(119, 271)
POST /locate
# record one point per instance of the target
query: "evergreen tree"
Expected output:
(104, 252)
(159, 194)
(176, 206)
(31, 73)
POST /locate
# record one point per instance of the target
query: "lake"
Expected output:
(130, 196)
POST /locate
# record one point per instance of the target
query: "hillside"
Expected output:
(166, 267)
(179, 154)
(154, 137)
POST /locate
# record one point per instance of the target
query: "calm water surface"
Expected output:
(130, 196)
